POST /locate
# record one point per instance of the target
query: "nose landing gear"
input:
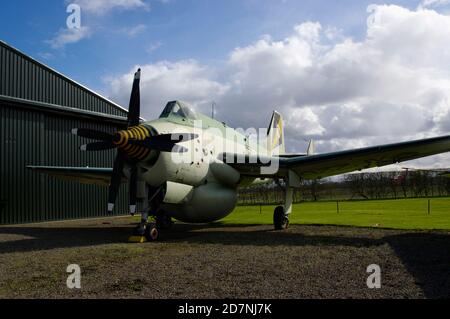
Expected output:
(149, 231)
(163, 221)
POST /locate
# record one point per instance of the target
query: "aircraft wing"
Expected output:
(336, 163)
(85, 175)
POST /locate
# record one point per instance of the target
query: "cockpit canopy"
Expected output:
(178, 109)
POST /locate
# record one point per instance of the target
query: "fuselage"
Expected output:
(199, 186)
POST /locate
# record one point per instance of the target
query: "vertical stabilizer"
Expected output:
(275, 135)
(311, 148)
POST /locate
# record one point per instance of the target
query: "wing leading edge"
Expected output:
(85, 175)
(336, 163)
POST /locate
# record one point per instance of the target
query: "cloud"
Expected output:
(97, 7)
(46, 55)
(153, 47)
(133, 31)
(68, 36)
(164, 81)
(391, 86)
(100, 7)
(433, 3)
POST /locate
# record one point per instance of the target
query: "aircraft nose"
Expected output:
(140, 133)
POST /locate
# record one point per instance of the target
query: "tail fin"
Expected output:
(275, 135)
(311, 148)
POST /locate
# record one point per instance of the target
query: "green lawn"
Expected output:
(398, 214)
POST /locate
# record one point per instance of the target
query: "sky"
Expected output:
(349, 73)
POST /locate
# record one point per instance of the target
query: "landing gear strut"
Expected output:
(281, 214)
(150, 230)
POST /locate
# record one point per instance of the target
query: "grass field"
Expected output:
(396, 214)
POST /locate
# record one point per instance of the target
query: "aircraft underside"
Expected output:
(204, 204)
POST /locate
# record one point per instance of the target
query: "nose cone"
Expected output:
(140, 133)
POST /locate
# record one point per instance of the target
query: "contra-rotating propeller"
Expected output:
(133, 144)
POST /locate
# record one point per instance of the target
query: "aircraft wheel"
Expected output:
(280, 221)
(151, 232)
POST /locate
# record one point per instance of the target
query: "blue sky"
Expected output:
(205, 30)
(336, 78)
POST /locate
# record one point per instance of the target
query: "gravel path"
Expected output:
(196, 261)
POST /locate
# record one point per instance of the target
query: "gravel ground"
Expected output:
(216, 261)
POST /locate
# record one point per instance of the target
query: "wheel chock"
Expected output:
(137, 239)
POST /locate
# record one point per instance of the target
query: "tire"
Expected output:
(151, 232)
(280, 221)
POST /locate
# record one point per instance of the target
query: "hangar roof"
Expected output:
(27, 81)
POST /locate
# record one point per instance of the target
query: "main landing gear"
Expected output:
(281, 213)
(280, 219)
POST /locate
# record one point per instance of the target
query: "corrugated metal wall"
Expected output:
(23, 77)
(34, 137)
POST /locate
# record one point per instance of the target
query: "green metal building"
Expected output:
(38, 109)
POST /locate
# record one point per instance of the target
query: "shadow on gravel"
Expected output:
(257, 235)
(41, 238)
(427, 258)
(51, 238)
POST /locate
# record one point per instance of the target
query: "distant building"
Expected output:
(38, 109)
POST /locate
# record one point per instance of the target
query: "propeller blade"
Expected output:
(92, 134)
(159, 146)
(133, 189)
(97, 146)
(134, 109)
(116, 180)
(165, 142)
(134, 112)
(173, 138)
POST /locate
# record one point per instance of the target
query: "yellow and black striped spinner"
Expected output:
(140, 132)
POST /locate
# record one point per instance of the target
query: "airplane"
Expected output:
(188, 167)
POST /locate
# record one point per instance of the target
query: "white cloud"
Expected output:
(134, 31)
(153, 47)
(393, 85)
(164, 81)
(100, 7)
(97, 7)
(67, 36)
(433, 3)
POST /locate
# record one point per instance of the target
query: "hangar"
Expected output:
(38, 108)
